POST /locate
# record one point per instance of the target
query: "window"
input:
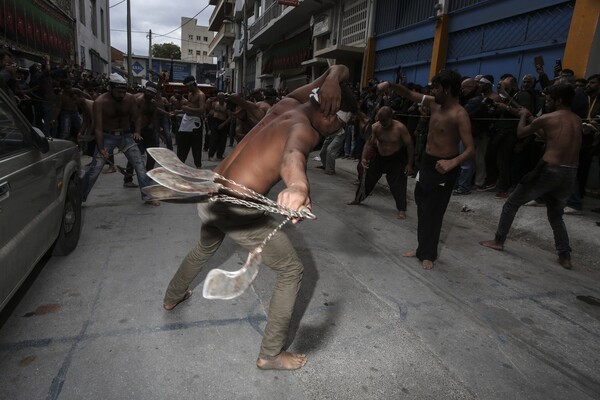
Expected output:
(191, 37)
(190, 52)
(205, 38)
(82, 56)
(198, 38)
(94, 17)
(102, 26)
(11, 131)
(82, 12)
(198, 52)
(204, 53)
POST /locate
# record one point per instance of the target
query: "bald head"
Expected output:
(385, 116)
(468, 86)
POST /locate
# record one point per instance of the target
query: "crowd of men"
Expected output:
(530, 141)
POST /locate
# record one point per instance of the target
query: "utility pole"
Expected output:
(149, 54)
(129, 60)
(245, 55)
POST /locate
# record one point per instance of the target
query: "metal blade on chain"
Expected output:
(177, 183)
(169, 161)
(225, 285)
(161, 193)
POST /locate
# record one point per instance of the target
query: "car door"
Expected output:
(27, 186)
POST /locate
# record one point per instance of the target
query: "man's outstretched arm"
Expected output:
(329, 92)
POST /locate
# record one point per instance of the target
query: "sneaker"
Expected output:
(129, 185)
(459, 192)
(572, 211)
(487, 188)
(501, 195)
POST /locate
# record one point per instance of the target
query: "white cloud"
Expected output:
(159, 15)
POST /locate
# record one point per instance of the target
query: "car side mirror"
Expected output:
(40, 141)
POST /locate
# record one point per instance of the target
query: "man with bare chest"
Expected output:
(67, 112)
(440, 166)
(147, 108)
(554, 176)
(189, 133)
(112, 115)
(276, 149)
(393, 155)
(220, 128)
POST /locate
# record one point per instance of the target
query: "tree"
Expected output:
(166, 50)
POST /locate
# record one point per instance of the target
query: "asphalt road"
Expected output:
(375, 325)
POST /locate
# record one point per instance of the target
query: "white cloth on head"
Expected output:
(344, 116)
(116, 79)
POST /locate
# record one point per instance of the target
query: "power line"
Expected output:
(114, 5)
(168, 37)
(188, 21)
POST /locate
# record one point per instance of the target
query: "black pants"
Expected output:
(218, 138)
(432, 194)
(393, 167)
(190, 140)
(505, 159)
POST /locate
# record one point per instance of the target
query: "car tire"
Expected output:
(70, 226)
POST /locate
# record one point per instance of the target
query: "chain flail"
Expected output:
(260, 202)
(273, 232)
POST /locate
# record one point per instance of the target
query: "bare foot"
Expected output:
(187, 295)
(353, 203)
(492, 244)
(284, 361)
(402, 215)
(410, 253)
(427, 264)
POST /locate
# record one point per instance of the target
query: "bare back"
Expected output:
(562, 131)
(256, 161)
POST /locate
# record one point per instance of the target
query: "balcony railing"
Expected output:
(225, 35)
(274, 11)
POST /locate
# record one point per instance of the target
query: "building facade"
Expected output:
(195, 41)
(416, 38)
(33, 28)
(92, 39)
(285, 44)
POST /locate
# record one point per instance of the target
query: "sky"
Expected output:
(162, 16)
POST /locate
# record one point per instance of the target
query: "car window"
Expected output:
(11, 131)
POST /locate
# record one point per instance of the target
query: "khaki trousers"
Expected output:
(247, 227)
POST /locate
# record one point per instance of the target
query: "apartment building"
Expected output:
(195, 41)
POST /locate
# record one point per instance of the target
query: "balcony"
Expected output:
(223, 9)
(278, 20)
(224, 38)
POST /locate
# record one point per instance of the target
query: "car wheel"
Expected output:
(70, 226)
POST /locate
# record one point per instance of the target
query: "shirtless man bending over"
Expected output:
(554, 176)
(275, 149)
(388, 142)
(449, 124)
